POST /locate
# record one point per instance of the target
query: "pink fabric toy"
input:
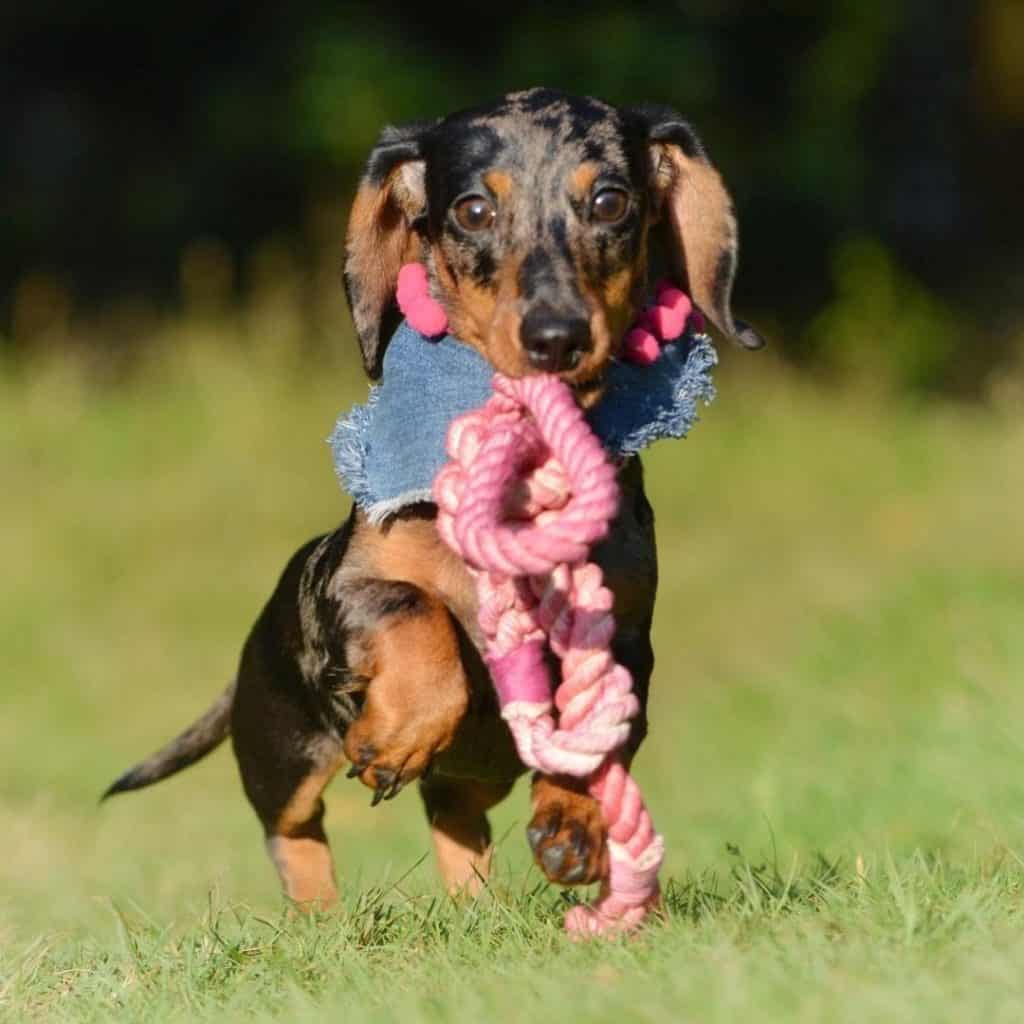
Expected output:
(425, 314)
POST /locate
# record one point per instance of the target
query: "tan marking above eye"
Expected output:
(499, 183)
(583, 178)
(610, 205)
(475, 213)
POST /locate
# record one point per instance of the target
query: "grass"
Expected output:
(835, 757)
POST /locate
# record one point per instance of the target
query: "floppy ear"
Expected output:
(690, 198)
(391, 198)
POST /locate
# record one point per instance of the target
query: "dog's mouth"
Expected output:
(587, 379)
(588, 392)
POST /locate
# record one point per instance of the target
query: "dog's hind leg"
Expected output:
(297, 843)
(457, 812)
(286, 756)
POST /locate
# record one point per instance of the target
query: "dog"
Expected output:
(537, 218)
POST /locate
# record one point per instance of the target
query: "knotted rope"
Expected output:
(529, 490)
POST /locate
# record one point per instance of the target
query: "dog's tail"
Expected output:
(202, 736)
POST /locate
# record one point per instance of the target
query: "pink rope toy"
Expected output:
(528, 491)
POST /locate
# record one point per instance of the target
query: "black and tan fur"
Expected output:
(368, 651)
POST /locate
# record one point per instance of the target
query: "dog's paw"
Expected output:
(384, 764)
(389, 751)
(567, 834)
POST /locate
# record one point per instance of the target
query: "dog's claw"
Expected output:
(388, 784)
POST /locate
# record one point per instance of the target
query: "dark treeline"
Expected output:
(866, 141)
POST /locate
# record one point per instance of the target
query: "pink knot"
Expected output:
(665, 320)
(424, 313)
(641, 347)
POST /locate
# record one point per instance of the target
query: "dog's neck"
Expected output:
(388, 451)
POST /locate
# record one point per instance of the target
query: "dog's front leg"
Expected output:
(403, 641)
(567, 832)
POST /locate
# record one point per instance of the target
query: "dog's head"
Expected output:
(532, 217)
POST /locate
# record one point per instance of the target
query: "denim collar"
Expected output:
(387, 452)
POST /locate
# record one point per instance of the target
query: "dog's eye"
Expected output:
(475, 213)
(610, 205)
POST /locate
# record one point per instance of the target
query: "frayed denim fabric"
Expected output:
(388, 451)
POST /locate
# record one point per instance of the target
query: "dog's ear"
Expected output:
(381, 235)
(689, 197)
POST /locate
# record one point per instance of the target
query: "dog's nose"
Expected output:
(554, 343)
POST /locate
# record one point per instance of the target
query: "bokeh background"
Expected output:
(839, 629)
(160, 160)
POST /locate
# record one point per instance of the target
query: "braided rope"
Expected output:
(526, 494)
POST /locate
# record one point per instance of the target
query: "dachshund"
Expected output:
(538, 218)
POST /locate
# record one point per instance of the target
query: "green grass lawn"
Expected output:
(837, 727)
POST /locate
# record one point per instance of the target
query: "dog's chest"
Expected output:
(409, 548)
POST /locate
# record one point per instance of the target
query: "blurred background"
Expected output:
(194, 157)
(839, 621)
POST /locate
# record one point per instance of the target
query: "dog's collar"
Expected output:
(388, 451)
